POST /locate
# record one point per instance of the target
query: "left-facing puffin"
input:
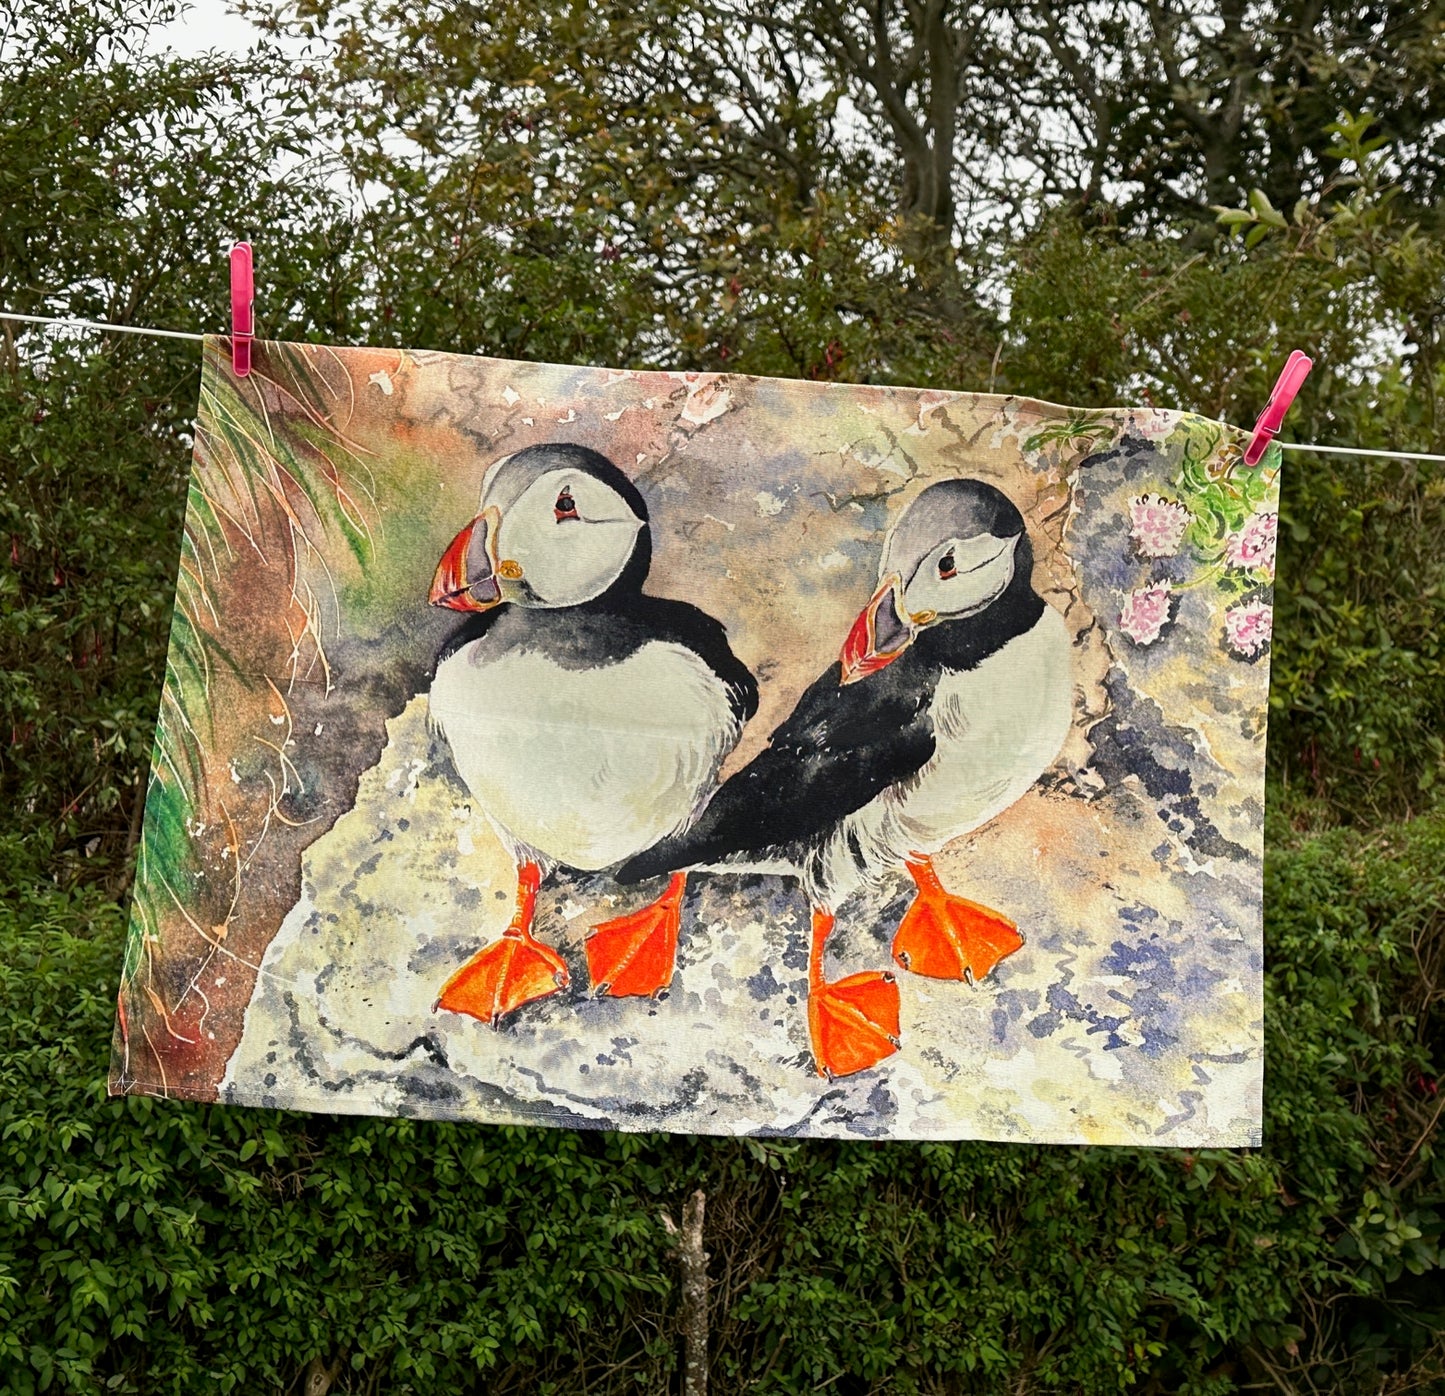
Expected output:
(587, 718)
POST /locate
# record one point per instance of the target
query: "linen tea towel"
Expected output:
(707, 753)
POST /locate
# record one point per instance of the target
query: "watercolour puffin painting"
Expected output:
(952, 694)
(587, 718)
(710, 753)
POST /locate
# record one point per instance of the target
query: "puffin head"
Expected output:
(952, 553)
(556, 526)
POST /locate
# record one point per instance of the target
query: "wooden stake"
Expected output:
(319, 1376)
(694, 1292)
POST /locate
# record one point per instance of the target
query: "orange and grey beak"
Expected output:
(465, 579)
(881, 633)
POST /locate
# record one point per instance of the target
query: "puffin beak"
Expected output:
(880, 634)
(465, 579)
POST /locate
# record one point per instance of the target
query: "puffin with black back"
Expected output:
(952, 694)
(587, 718)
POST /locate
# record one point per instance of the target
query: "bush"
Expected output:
(159, 1247)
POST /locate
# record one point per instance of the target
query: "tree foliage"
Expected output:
(1019, 197)
(731, 185)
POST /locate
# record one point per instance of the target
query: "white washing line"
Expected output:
(181, 334)
(98, 325)
(1357, 451)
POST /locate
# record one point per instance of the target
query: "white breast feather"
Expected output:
(585, 766)
(997, 728)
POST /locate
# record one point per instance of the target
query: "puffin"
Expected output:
(587, 718)
(951, 695)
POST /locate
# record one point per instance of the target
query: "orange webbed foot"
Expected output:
(512, 970)
(853, 1023)
(948, 937)
(636, 954)
(502, 976)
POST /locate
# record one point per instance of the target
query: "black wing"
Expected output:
(839, 748)
(686, 625)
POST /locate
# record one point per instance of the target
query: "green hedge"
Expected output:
(156, 1247)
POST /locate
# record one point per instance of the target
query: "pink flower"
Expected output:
(1145, 613)
(1158, 524)
(1252, 548)
(1249, 628)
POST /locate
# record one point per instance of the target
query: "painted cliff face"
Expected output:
(322, 856)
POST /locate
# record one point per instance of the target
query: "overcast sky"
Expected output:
(206, 24)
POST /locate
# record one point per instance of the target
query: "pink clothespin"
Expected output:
(243, 296)
(1286, 389)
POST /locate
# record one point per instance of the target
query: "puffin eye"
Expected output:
(946, 566)
(566, 506)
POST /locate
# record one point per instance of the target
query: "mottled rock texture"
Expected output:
(1118, 1020)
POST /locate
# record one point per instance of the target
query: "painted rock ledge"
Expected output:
(411, 881)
